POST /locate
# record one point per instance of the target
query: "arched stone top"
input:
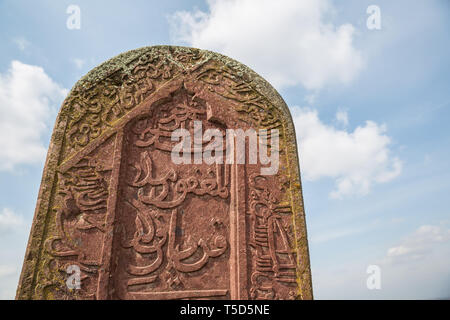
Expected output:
(120, 78)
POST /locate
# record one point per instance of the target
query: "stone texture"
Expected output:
(140, 227)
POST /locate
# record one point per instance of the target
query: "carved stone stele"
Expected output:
(116, 212)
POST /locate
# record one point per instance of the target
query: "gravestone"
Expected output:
(132, 206)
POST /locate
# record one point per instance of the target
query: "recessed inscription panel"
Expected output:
(172, 223)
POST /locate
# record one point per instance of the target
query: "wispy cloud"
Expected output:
(419, 244)
(79, 63)
(6, 271)
(342, 118)
(8, 281)
(21, 43)
(336, 234)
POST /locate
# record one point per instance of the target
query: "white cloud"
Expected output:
(419, 244)
(28, 100)
(288, 42)
(355, 159)
(9, 220)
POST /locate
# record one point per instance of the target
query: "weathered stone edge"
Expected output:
(101, 72)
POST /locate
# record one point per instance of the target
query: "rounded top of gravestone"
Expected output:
(186, 59)
(90, 107)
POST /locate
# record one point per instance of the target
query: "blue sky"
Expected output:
(371, 109)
